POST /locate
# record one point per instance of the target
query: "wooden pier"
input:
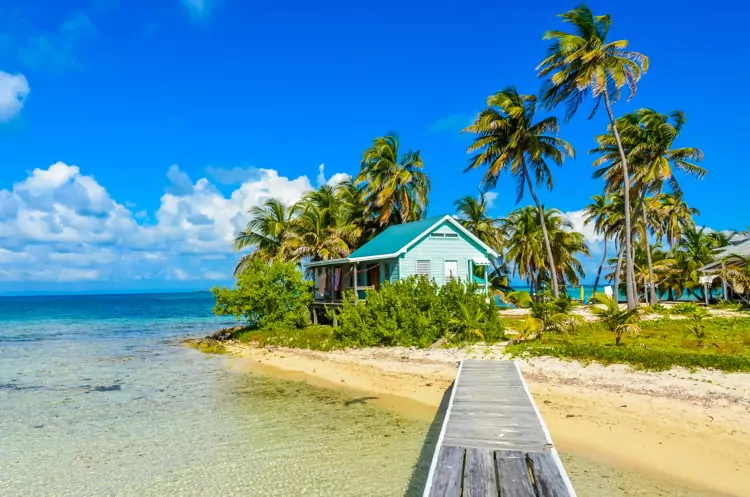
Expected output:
(493, 440)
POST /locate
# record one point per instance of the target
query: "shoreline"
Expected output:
(685, 428)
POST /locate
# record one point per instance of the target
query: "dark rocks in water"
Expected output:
(11, 386)
(110, 388)
(225, 333)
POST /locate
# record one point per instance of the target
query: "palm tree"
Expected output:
(619, 321)
(647, 138)
(677, 215)
(582, 64)
(509, 140)
(395, 187)
(524, 243)
(597, 213)
(267, 232)
(316, 236)
(472, 214)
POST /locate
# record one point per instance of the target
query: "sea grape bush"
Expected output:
(267, 296)
(417, 312)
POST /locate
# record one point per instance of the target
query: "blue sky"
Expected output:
(133, 134)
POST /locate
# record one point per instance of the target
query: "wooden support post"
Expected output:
(723, 282)
(356, 293)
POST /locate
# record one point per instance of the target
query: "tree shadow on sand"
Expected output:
(418, 477)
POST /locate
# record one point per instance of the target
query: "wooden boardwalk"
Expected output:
(493, 441)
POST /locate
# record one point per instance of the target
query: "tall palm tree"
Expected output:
(509, 140)
(597, 213)
(647, 138)
(268, 232)
(395, 186)
(582, 64)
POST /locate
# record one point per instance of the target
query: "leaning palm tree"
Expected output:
(597, 213)
(509, 140)
(395, 186)
(582, 64)
(648, 141)
(267, 232)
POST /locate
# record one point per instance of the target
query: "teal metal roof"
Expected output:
(394, 238)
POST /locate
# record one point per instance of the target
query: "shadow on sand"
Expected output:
(418, 477)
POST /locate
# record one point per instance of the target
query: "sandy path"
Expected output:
(692, 429)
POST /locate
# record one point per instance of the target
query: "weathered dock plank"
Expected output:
(479, 473)
(512, 474)
(493, 441)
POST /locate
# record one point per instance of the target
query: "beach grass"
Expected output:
(313, 337)
(660, 345)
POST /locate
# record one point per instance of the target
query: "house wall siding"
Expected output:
(439, 250)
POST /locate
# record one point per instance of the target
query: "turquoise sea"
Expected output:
(99, 397)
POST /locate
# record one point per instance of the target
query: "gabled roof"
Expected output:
(398, 238)
(394, 238)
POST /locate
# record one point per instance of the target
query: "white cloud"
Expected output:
(59, 224)
(576, 218)
(490, 198)
(14, 88)
(333, 180)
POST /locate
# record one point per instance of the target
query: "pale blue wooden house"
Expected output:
(438, 248)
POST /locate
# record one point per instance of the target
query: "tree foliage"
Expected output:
(267, 295)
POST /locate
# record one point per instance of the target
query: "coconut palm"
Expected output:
(509, 140)
(394, 185)
(524, 243)
(677, 215)
(315, 236)
(618, 321)
(471, 212)
(583, 64)
(597, 213)
(267, 232)
(647, 138)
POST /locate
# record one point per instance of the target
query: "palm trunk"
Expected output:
(651, 294)
(601, 266)
(618, 270)
(547, 246)
(630, 273)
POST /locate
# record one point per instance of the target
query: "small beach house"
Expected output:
(727, 256)
(438, 248)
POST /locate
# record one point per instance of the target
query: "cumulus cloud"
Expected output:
(14, 88)
(490, 198)
(333, 180)
(59, 224)
(576, 218)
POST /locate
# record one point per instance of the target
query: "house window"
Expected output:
(451, 235)
(451, 270)
(387, 272)
(437, 235)
(423, 268)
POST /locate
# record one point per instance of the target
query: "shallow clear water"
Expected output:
(98, 397)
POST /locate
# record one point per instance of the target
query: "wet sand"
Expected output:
(672, 433)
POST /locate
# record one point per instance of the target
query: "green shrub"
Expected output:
(685, 308)
(728, 305)
(417, 312)
(520, 299)
(267, 295)
(314, 337)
